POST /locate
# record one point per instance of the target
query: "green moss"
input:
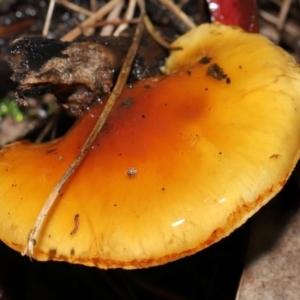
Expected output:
(9, 107)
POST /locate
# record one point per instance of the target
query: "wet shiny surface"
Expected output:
(182, 166)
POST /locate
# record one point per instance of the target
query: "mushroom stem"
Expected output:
(86, 147)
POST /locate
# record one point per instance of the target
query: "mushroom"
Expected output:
(182, 161)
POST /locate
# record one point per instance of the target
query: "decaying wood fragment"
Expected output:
(77, 73)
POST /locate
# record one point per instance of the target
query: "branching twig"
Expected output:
(114, 14)
(156, 37)
(96, 16)
(178, 13)
(128, 16)
(75, 7)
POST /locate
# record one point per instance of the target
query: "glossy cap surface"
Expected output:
(182, 161)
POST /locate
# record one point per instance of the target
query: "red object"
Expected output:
(241, 13)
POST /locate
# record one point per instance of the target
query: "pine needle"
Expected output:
(124, 73)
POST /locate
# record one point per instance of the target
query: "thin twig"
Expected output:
(128, 16)
(48, 17)
(113, 22)
(178, 13)
(150, 28)
(285, 7)
(75, 7)
(181, 3)
(268, 17)
(273, 20)
(114, 14)
(49, 126)
(93, 4)
(121, 81)
(142, 7)
(100, 13)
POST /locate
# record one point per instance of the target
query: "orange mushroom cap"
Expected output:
(182, 161)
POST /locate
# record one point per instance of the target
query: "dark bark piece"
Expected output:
(77, 73)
